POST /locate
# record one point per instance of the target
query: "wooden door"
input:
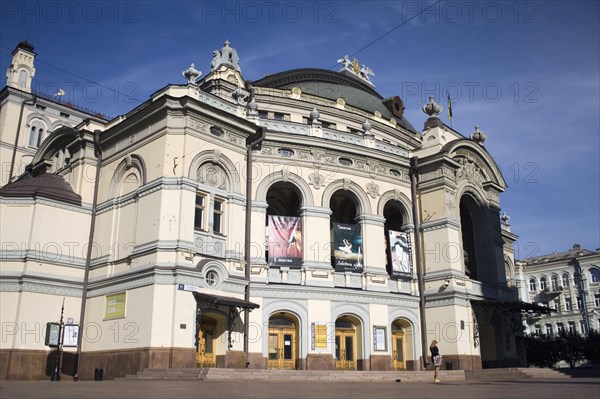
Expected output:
(282, 348)
(345, 349)
(206, 347)
(398, 350)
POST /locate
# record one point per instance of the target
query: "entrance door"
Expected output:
(282, 348)
(345, 349)
(398, 350)
(206, 346)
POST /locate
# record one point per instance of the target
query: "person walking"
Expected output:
(436, 358)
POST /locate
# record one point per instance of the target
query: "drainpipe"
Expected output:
(88, 259)
(581, 289)
(414, 166)
(252, 142)
(14, 154)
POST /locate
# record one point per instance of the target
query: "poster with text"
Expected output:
(400, 254)
(285, 241)
(347, 247)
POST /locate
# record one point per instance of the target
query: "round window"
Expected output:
(212, 278)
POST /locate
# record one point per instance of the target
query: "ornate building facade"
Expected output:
(568, 283)
(361, 240)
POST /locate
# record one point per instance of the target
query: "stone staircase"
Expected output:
(218, 374)
(514, 374)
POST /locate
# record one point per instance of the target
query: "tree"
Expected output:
(542, 350)
(591, 348)
(571, 346)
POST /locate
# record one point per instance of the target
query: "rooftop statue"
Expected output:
(360, 71)
(225, 56)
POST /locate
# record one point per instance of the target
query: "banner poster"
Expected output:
(347, 247)
(401, 254)
(285, 241)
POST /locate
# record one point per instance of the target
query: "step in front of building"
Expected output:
(515, 373)
(219, 374)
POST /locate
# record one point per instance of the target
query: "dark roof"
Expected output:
(224, 300)
(332, 85)
(45, 185)
(25, 45)
(575, 252)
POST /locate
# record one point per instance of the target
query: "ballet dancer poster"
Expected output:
(347, 247)
(285, 241)
(400, 252)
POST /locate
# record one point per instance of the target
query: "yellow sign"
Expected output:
(320, 336)
(115, 306)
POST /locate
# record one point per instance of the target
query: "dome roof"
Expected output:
(333, 85)
(46, 185)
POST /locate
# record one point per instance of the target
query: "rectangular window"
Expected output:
(572, 327)
(537, 330)
(568, 305)
(560, 328)
(218, 216)
(328, 125)
(597, 300)
(280, 116)
(583, 327)
(549, 329)
(199, 212)
(579, 303)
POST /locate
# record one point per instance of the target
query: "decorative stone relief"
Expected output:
(373, 189)
(469, 171)
(197, 125)
(267, 151)
(216, 155)
(233, 139)
(316, 179)
(317, 155)
(212, 175)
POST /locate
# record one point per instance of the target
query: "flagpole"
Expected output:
(449, 109)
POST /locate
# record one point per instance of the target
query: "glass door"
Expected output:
(282, 349)
(398, 350)
(206, 347)
(345, 350)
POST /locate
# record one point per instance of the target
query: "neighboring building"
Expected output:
(333, 250)
(569, 284)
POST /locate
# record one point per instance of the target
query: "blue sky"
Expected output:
(526, 72)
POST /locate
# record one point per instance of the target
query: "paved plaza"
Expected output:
(580, 388)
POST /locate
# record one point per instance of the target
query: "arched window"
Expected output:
(543, 283)
(398, 248)
(532, 284)
(347, 251)
(470, 240)
(23, 75)
(554, 281)
(565, 280)
(284, 226)
(594, 275)
(36, 133)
